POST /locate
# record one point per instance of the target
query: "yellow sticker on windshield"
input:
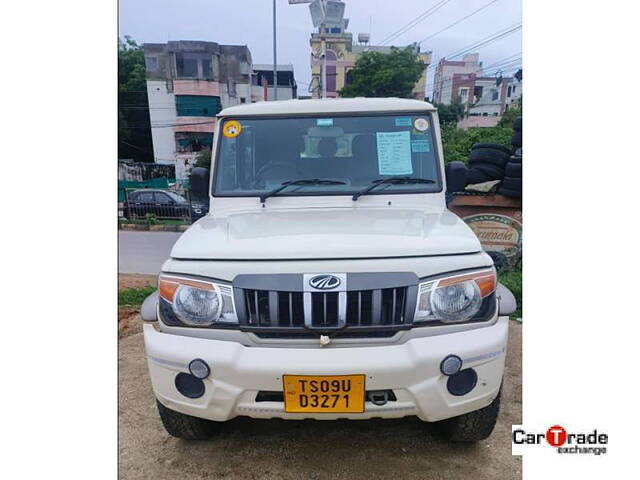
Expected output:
(231, 129)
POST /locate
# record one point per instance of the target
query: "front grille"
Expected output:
(360, 305)
(365, 308)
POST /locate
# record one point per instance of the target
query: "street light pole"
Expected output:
(275, 58)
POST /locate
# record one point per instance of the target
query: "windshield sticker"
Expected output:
(403, 121)
(231, 129)
(420, 146)
(394, 153)
(324, 122)
(421, 124)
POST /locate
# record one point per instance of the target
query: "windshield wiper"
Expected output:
(390, 181)
(291, 183)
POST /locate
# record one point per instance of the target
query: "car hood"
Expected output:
(326, 233)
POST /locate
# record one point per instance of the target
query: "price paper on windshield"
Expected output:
(394, 153)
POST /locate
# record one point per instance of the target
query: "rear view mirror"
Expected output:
(199, 180)
(324, 132)
(506, 301)
(456, 174)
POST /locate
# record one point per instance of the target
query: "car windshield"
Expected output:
(257, 155)
(176, 198)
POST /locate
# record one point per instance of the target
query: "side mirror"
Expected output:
(506, 301)
(199, 180)
(456, 174)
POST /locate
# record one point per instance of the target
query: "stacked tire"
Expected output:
(516, 138)
(487, 161)
(511, 185)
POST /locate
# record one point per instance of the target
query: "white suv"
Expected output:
(329, 280)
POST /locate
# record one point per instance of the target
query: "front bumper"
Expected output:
(411, 370)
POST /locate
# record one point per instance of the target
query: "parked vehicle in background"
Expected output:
(162, 204)
(330, 280)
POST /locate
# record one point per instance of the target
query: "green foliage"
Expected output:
(203, 159)
(512, 279)
(134, 135)
(457, 142)
(513, 112)
(378, 74)
(151, 219)
(451, 113)
(133, 297)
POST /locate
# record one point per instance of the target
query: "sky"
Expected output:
(249, 22)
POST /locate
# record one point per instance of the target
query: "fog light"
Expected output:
(199, 368)
(451, 365)
(462, 382)
(189, 386)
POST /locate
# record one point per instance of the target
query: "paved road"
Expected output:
(246, 449)
(144, 252)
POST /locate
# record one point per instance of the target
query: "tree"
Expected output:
(452, 113)
(514, 111)
(378, 74)
(203, 159)
(134, 127)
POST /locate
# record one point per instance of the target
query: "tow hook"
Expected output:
(378, 397)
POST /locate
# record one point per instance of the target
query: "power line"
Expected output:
(405, 28)
(482, 43)
(456, 22)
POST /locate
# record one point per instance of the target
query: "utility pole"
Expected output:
(275, 56)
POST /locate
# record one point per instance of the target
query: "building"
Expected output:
(189, 82)
(485, 97)
(341, 56)
(448, 75)
(263, 74)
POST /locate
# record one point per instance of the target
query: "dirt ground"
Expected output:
(128, 319)
(276, 449)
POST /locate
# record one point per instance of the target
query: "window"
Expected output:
(187, 142)
(151, 63)
(206, 68)
(464, 94)
(509, 91)
(197, 105)
(186, 65)
(494, 94)
(144, 197)
(243, 100)
(352, 150)
(477, 92)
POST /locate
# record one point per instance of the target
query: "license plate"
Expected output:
(323, 393)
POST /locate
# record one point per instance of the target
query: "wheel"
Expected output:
(517, 124)
(488, 155)
(492, 171)
(495, 146)
(456, 175)
(511, 183)
(472, 426)
(475, 175)
(185, 426)
(516, 139)
(513, 170)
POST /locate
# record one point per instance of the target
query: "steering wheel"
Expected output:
(274, 165)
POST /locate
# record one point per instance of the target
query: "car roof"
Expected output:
(328, 106)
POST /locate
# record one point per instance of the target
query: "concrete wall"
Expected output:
(162, 111)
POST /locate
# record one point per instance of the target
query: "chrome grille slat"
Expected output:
(297, 311)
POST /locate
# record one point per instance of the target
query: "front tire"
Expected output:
(184, 426)
(472, 426)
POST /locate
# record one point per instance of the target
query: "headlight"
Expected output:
(196, 303)
(454, 299)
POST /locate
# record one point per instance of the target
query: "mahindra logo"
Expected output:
(324, 282)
